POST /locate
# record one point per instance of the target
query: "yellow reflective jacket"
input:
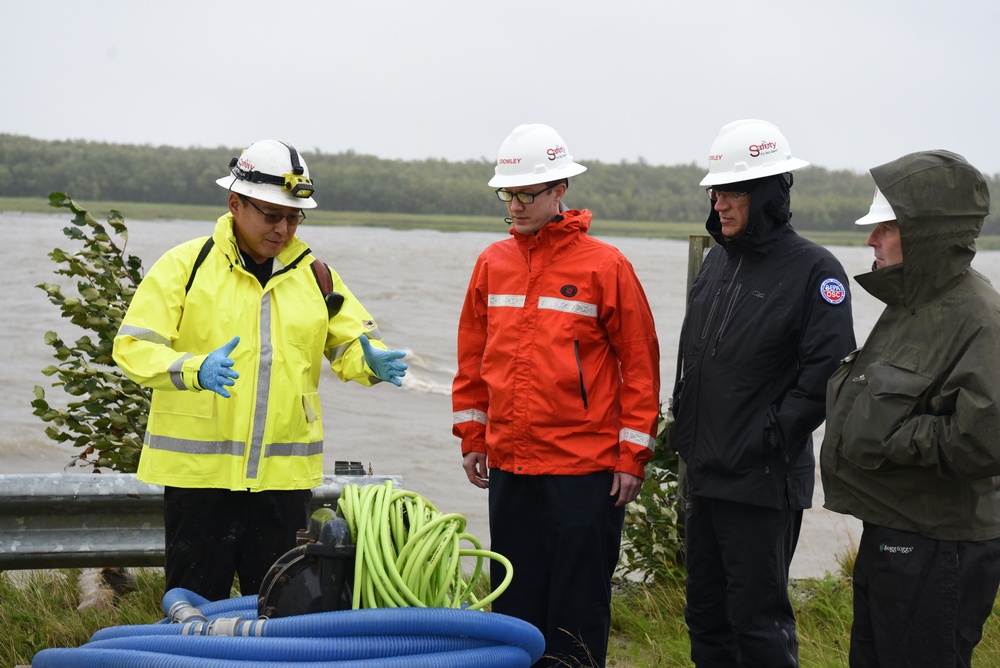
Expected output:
(269, 434)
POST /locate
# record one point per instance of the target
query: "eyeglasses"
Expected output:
(276, 218)
(725, 195)
(523, 198)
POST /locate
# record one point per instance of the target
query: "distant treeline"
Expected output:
(821, 199)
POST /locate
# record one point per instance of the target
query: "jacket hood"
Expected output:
(940, 201)
(770, 209)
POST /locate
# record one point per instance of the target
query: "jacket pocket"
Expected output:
(890, 396)
(579, 370)
(311, 406)
(185, 404)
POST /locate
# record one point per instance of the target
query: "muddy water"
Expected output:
(413, 282)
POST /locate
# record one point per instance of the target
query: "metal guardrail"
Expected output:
(86, 520)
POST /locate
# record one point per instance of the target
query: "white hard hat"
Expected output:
(879, 212)
(746, 150)
(271, 171)
(533, 153)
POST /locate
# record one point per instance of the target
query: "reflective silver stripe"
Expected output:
(263, 388)
(294, 449)
(337, 352)
(637, 437)
(142, 334)
(149, 336)
(568, 306)
(186, 446)
(470, 415)
(176, 377)
(233, 448)
(516, 301)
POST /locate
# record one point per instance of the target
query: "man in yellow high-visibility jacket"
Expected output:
(235, 433)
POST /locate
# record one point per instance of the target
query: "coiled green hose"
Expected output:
(409, 553)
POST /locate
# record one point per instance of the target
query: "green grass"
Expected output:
(648, 626)
(38, 611)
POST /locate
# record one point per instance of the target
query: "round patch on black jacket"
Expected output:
(833, 291)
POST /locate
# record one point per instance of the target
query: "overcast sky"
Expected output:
(851, 84)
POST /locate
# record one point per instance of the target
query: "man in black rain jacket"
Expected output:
(768, 319)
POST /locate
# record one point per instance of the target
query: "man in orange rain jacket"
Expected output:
(556, 399)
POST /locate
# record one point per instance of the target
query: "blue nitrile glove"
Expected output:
(216, 371)
(384, 363)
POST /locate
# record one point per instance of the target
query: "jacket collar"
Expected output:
(561, 230)
(225, 239)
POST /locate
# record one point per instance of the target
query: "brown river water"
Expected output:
(413, 282)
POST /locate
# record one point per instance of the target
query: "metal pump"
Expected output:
(315, 576)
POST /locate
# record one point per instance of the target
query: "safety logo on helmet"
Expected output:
(556, 152)
(763, 148)
(833, 291)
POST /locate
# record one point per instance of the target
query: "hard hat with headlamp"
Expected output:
(271, 171)
(746, 150)
(533, 153)
(879, 212)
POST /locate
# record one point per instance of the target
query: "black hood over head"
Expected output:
(770, 208)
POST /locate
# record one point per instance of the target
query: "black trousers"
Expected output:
(738, 611)
(213, 534)
(562, 535)
(920, 601)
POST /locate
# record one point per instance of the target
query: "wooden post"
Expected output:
(698, 247)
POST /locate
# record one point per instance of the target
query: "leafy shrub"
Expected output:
(105, 418)
(654, 524)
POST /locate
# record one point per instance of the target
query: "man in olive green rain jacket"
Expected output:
(912, 444)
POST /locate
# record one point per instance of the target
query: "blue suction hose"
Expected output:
(227, 633)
